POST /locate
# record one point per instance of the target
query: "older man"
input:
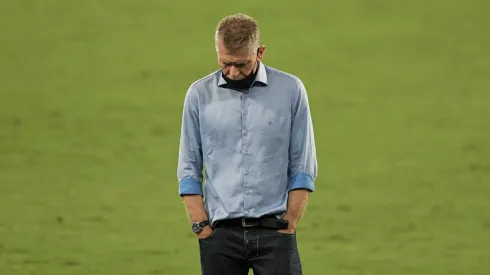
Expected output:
(249, 126)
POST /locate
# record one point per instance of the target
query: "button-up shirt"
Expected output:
(248, 148)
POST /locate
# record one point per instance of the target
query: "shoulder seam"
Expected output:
(203, 79)
(284, 74)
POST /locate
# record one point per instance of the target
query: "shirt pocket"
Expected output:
(274, 132)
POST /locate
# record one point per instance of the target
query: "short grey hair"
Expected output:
(238, 31)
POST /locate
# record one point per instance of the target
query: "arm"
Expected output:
(302, 158)
(189, 171)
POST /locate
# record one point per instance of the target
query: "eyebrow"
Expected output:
(236, 63)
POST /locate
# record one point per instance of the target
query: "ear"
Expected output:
(260, 52)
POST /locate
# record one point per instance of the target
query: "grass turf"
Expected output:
(90, 107)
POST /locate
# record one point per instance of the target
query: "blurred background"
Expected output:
(91, 97)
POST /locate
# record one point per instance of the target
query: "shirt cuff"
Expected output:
(190, 186)
(302, 181)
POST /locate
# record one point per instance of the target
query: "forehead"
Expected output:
(242, 54)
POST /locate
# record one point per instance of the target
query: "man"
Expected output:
(249, 126)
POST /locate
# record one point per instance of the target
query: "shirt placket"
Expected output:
(245, 151)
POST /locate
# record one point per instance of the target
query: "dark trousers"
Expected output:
(236, 250)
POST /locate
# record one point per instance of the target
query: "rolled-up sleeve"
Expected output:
(303, 166)
(189, 170)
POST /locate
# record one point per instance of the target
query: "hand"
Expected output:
(291, 227)
(287, 231)
(206, 232)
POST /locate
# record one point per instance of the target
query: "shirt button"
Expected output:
(247, 192)
(246, 153)
(246, 173)
(245, 133)
(245, 113)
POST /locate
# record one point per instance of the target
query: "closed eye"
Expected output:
(238, 65)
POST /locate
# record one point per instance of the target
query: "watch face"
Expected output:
(196, 228)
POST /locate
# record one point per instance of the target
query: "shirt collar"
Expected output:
(261, 76)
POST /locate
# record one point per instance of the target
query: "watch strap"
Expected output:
(204, 223)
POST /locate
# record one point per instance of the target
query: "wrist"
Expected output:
(198, 227)
(290, 218)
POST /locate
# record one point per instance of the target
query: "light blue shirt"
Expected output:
(249, 148)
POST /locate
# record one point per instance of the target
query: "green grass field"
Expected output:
(90, 109)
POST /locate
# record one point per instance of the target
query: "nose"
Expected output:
(234, 72)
